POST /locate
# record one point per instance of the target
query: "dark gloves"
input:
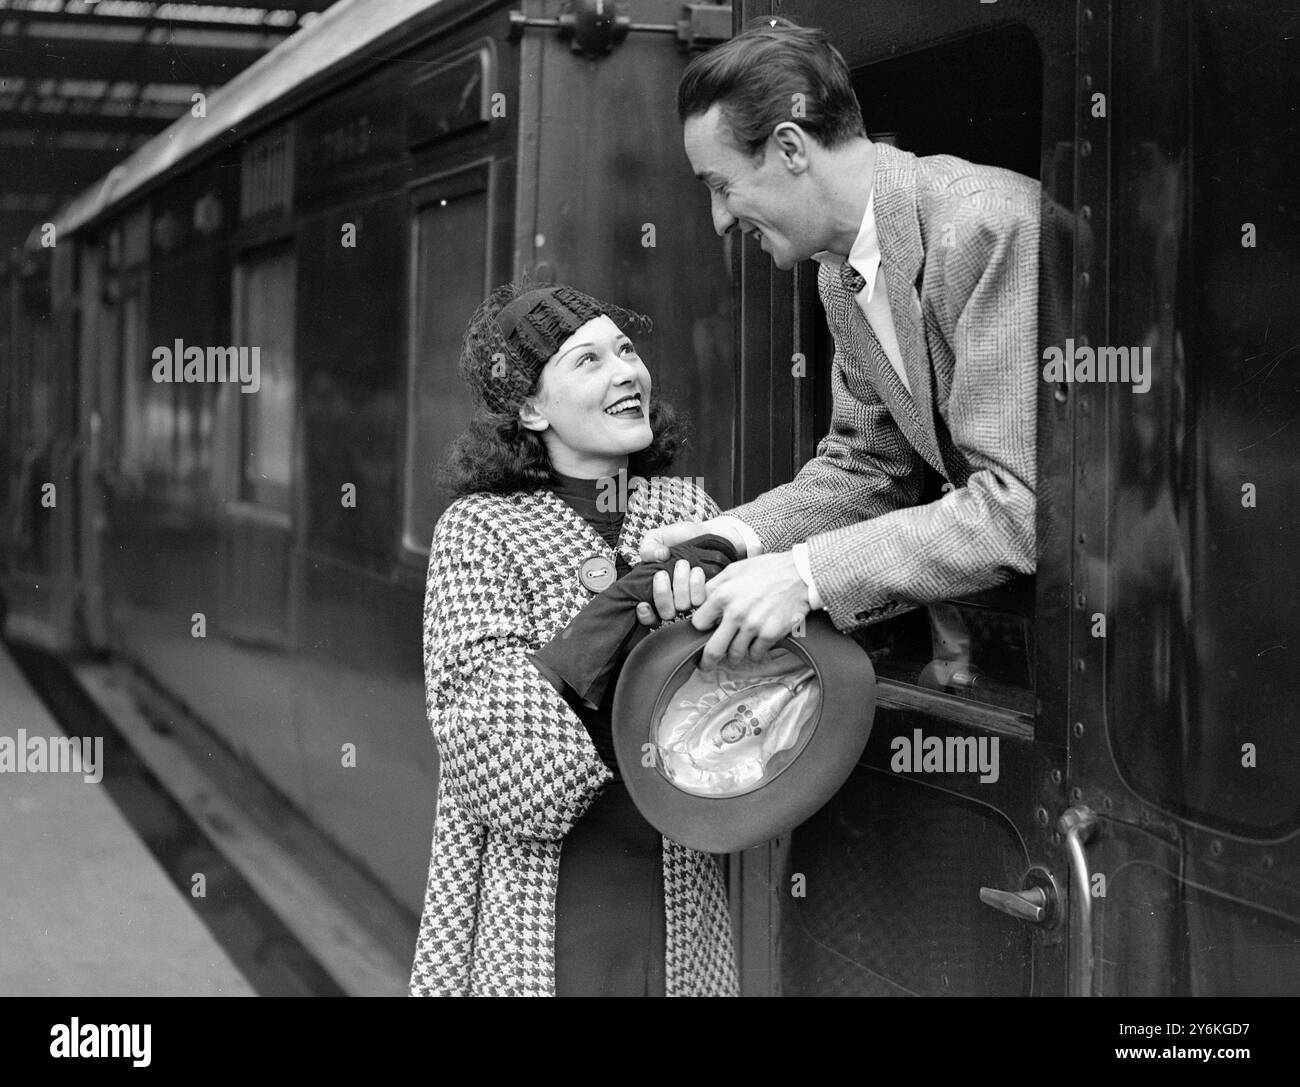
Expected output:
(587, 654)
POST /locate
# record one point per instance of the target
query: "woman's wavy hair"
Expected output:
(497, 453)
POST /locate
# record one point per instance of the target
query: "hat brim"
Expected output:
(727, 824)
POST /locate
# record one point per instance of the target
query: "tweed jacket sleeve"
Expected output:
(863, 468)
(511, 751)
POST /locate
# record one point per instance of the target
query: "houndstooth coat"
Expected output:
(517, 768)
(959, 244)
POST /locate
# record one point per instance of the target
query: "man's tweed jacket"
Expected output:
(517, 768)
(959, 245)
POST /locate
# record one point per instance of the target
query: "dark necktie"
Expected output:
(853, 282)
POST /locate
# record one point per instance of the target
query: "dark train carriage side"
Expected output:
(342, 208)
(1140, 837)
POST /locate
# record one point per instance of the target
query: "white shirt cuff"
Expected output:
(737, 530)
(803, 567)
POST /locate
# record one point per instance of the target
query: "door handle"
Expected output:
(1027, 905)
(1078, 824)
(1035, 903)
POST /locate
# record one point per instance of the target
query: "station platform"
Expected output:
(85, 908)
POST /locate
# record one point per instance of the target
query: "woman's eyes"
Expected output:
(627, 349)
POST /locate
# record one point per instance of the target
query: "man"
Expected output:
(928, 276)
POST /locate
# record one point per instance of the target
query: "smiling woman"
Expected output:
(544, 878)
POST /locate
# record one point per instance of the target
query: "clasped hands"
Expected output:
(754, 602)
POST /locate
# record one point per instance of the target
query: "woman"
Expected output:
(544, 879)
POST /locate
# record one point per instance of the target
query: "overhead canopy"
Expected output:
(83, 84)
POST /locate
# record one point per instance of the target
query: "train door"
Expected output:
(258, 531)
(256, 432)
(919, 877)
(1184, 750)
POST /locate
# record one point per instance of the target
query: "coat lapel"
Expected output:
(902, 256)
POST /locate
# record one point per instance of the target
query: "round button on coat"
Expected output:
(596, 573)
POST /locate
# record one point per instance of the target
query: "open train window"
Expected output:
(449, 245)
(979, 98)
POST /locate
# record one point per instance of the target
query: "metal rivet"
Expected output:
(1087, 15)
(1083, 538)
(1056, 777)
(1041, 816)
(1061, 393)
(1085, 279)
(1081, 600)
(1087, 81)
(1076, 793)
(1056, 837)
(1078, 729)
(1267, 863)
(1079, 665)
(1085, 212)
(1216, 847)
(1085, 149)
(1107, 803)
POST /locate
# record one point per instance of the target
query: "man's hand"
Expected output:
(655, 544)
(754, 603)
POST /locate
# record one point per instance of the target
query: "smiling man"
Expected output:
(929, 270)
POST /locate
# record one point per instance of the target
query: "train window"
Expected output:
(147, 408)
(1200, 585)
(450, 217)
(980, 649)
(264, 308)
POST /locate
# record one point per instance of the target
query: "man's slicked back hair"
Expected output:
(774, 73)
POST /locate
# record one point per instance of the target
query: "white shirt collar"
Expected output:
(865, 254)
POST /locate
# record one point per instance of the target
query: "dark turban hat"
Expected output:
(515, 332)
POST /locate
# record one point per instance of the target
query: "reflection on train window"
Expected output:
(957, 648)
(265, 320)
(147, 408)
(449, 283)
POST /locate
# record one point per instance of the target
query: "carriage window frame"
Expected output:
(241, 501)
(478, 177)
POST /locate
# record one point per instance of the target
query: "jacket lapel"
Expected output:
(902, 256)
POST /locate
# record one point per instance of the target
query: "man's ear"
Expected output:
(791, 145)
(530, 415)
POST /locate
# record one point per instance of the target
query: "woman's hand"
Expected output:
(685, 592)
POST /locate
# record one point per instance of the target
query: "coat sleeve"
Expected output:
(864, 467)
(510, 749)
(981, 533)
(697, 504)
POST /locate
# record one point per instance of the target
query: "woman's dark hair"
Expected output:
(756, 77)
(497, 453)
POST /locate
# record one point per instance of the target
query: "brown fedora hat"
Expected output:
(726, 758)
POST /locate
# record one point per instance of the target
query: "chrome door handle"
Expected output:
(1078, 824)
(1029, 905)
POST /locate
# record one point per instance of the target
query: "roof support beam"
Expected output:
(140, 62)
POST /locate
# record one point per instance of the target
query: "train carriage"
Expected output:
(1127, 822)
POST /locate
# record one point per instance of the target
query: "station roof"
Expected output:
(84, 83)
